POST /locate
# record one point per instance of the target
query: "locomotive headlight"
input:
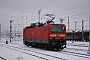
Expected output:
(61, 35)
(63, 38)
(52, 35)
(50, 38)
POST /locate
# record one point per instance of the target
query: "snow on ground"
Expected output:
(9, 54)
(78, 42)
(13, 54)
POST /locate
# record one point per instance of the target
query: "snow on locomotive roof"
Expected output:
(35, 25)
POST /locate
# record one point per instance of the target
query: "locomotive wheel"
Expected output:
(41, 46)
(33, 44)
(27, 44)
(49, 47)
(45, 46)
(24, 42)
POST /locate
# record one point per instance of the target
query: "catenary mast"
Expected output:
(89, 28)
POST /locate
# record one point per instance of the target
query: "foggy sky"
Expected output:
(24, 12)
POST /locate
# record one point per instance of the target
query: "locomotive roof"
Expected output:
(34, 25)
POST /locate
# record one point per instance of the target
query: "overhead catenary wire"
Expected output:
(41, 5)
(42, 8)
(22, 4)
(32, 9)
(36, 7)
(71, 8)
(75, 15)
(45, 3)
(65, 12)
(13, 9)
(49, 5)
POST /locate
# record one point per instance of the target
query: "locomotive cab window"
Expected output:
(57, 28)
(45, 29)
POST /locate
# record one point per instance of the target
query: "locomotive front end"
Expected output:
(58, 36)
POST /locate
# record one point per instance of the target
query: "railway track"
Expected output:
(76, 54)
(2, 58)
(83, 50)
(35, 55)
(79, 45)
(63, 52)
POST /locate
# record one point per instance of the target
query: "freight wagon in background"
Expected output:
(78, 36)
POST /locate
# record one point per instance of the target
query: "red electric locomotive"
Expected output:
(49, 36)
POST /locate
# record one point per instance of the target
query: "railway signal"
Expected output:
(75, 25)
(39, 11)
(73, 34)
(82, 30)
(11, 29)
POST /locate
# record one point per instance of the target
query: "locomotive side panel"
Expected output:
(33, 34)
(38, 34)
(45, 34)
